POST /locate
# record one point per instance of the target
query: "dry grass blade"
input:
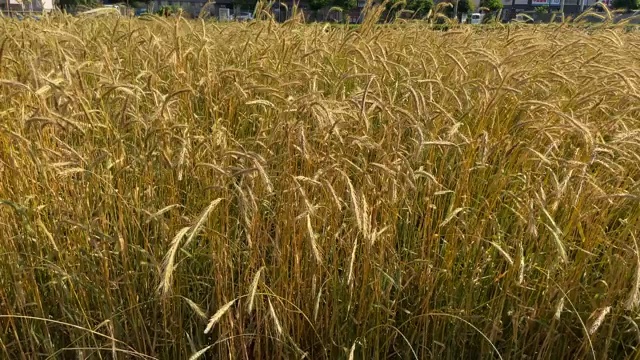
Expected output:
(312, 239)
(253, 288)
(197, 309)
(502, 252)
(557, 234)
(634, 294)
(199, 353)
(559, 308)
(352, 262)
(193, 232)
(352, 352)
(451, 216)
(276, 322)
(161, 211)
(169, 261)
(599, 316)
(355, 204)
(100, 11)
(44, 229)
(218, 315)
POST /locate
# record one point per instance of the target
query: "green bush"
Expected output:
(464, 7)
(626, 4)
(493, 5)
(542, 9)
(316, 5)
(167, 10)
(345, 5)
(420, 7)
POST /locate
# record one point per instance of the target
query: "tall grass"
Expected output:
(301, 190)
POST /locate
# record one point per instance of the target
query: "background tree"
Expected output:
(392, 8)
(465, 6)
(168, 10)
(345, 5)
(542, 9)
(243, 5)
(493, 5)
(420, 7)
(141, 4)
(317, 5)
(626, 4)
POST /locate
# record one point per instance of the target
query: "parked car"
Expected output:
(476, 18)
(140, 11)
(523, 19)
(244, 16)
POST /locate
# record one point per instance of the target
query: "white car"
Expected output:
(476, 18)
(523, 18)
(244, 16)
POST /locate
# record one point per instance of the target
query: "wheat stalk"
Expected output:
(169, 261)
(218, 315)
(253, 288)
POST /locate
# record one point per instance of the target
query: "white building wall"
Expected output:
(47, 5)
(31, 5)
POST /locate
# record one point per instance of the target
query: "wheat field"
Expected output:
(175, 189)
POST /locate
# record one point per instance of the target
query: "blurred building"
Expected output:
(26, 5)
(570, 6)
(282, 10)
